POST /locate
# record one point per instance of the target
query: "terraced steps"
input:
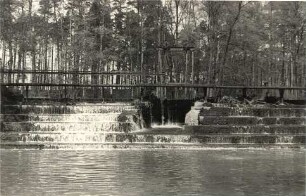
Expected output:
(97, 126)
(61, 117)
(254, 124)
(67, 109)
(63, 126)
(258, 111)
(250, 120)
(246, 129)
(154, 138)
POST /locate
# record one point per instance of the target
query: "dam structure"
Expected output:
(128, 125)
(132, 110)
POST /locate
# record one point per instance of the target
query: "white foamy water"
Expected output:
(83, 122)
(167, 125)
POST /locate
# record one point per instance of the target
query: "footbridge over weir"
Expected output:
(170, 91)
(54, 115)
(127, 86)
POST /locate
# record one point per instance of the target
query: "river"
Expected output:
(206, 172)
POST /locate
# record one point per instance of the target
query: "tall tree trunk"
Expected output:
(229, 36)
(33, 66)
(10, 61)
(3, 62)
(52, 63)
(58, 54)
(19, 64)
(177, 2)
(24, 60)
(46, 60)
(283, 78)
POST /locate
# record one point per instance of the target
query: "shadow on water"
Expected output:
(153, 172)
(165, 111)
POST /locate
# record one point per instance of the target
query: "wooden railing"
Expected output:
(132, 81)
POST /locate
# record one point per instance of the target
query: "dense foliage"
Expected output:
(236, 43)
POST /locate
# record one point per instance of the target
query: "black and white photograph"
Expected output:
(152, 98)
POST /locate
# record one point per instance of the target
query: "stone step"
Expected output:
(253, 111)
(136, 138)
(250, 129)
(61, 117)
(89, 126)
(244, 120)
(253, 106)
(66, 109)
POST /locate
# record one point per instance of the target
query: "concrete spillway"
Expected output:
(120, 125)
(51, 125)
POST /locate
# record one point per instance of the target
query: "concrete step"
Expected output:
(254, 111)
(249, 120)
(89, 126)
(248, 129)
(254, 106)
(75, 137)
(61, 117)
(66, 109)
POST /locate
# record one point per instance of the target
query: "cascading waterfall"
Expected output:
(88, 123)
(121, 125)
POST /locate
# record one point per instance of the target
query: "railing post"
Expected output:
(192, 66)
(27, 93)
(281, 95)
(141, 93)
(2, 72)
(205, 93)
(65, 92)
(244, 93)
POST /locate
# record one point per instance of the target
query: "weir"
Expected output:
(83, 122)
(128, 125)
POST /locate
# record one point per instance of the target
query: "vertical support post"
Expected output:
(192, 74)
(141, 93)
(161, 99)
(160, 64)
(192, 66)
(281, 95)
(160, 67)
(132, 88)
(186, 72)
(164, 72)
(205, 94)
(186, 66)
(244, 93)
(2, 72)
(27, 93)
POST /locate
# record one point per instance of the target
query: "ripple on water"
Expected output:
(153, 172)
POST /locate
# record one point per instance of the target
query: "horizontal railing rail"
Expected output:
(179, 85)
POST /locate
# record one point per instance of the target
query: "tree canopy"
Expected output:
(235, 43)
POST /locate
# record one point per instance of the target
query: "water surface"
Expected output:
(153, 172)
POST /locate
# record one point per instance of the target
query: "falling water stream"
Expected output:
(81, 123)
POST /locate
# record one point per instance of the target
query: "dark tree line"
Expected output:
(236, 43)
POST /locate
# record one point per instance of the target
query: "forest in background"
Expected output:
(235, 43)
